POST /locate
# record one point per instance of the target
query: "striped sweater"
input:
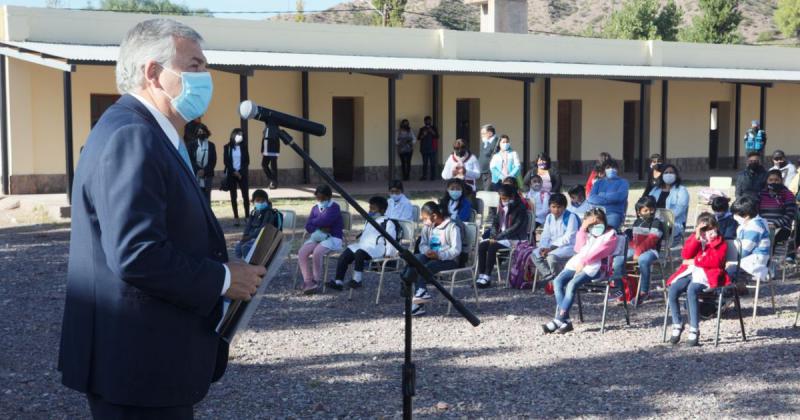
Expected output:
(754, 236)
(778, 207)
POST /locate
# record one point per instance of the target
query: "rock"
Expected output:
(9, 204)
(442, 406)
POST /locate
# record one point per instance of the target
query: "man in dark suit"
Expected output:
(203, 155)
(489, 142)
(148, 265)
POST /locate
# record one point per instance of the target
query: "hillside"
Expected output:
(547, 16)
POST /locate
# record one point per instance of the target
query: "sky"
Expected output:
(214, 6)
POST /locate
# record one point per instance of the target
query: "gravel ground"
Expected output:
(324, 356)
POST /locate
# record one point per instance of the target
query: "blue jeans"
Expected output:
(615, 219)
(565, 287)
(676, 289)
(646, 260)
(434, 266)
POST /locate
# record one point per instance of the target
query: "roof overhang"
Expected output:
(66, 56)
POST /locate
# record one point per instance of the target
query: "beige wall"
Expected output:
(689, 116)
(783, 118)
(602, 104)
(86, 81)
(414, 102)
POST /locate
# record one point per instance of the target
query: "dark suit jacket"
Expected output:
(145, 270)
(227, 159)
(210, 164)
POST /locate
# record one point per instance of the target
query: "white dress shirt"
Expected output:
(174, 138)
(236, 156)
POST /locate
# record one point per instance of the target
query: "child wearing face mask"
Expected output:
(463, 165)
(513, 182)
(504, 163)
(778, 206)
(325, 232)
(539, 198)
(703, 267)
(595, 242)
(672, 195)
(455, 203)
(509, 226)
(753, 236)
(578, 205)
(727, 223)
(371, 244)
(440, 248)
(263, 214)
(644, 241)
(788, 170)
(611, 193)
(400, 207)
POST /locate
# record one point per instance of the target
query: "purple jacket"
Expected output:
(331, 218)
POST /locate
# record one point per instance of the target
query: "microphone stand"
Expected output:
(409, 370)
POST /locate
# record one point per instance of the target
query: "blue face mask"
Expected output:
(262, 206)
(195, 95)
(454, 194)
(611, 173)
(324, 204)
(598, 229)
(396, 197)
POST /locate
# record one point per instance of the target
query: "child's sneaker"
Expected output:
(422, 297)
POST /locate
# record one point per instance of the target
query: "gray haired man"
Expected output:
(148, 263)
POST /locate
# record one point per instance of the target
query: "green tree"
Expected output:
(391, 11)
(642, 19)
(151, 6)
(787, 17)
(718, 23)
(454, 14)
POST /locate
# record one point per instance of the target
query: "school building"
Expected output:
(570, 97)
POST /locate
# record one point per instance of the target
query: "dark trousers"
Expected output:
(242, 184)
(487, 256)
(429, 164)
(405, 165)
(781, 235)
(104, 410)
(358, 259)
(270, 166)
(207, 189)
(434, 266)
(486, 182)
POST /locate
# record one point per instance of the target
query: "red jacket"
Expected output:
(711, 260)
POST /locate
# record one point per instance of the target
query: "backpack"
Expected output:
(399, 233)
(521, 273)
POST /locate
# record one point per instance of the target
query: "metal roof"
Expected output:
(63, 55)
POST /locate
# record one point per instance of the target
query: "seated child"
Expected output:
(557, 244)
(727, 224)
(577, 201)
(513, 182)
(400, 207)
(262, 214)
(595, 242)
(703, 267)
(439, 250)
(753, 235)
(510, 225)
(644, 242)
(370, 245)
(539, 198)
(325, 234)
(455, 202)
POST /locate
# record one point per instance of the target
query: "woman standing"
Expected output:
(551, 178)
(237, 162)
(203, 156)
(405, 147)
(462, 165)
(504, 163)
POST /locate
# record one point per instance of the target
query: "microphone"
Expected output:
(249, 110)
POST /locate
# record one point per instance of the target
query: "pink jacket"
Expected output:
(603, 251)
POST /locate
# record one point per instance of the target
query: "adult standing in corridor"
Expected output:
(489, 146)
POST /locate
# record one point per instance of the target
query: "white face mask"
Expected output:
(238, 138)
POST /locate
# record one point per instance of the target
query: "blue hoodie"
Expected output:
(611, 194)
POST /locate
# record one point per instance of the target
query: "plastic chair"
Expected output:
(782, 250)
(488, 200)
(732, 257)
(383, 266)
(603, 283)
(471, 238)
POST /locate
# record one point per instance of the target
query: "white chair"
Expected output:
(490, 200)
(470, 239)
(347, 225)
(383, 266)
(289, 226)
(670, 247)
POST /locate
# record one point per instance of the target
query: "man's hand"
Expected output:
(245, 279)
(237, 175)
